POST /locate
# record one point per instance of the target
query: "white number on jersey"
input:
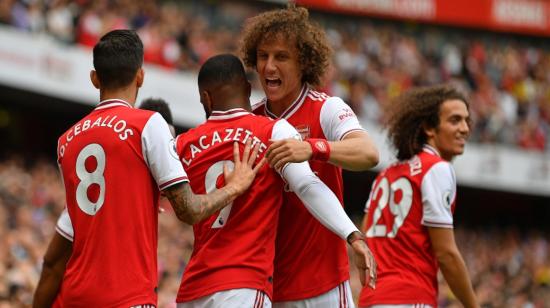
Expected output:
(210, 185)
(399, 210)
(88, 178)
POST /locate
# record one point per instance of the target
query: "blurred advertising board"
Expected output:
(517, 16)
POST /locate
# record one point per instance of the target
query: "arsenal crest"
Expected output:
(304, 131)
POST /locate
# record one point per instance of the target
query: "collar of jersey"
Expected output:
(292, 108)
(227, 114)
(430, 149)
(114, 102)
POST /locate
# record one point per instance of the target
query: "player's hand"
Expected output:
(289, 150)
(244, 171)
(365, 263)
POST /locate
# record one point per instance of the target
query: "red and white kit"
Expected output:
(113, 163)
(234, 248)
(316, 261)
(406, 198)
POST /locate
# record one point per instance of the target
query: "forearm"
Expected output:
(47, 288)
(319, 200)
(454, 270)
(355, 153)
(55, 262)
(191, 208)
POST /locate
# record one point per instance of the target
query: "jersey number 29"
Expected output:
(387, 194)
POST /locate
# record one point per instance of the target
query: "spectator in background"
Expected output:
(161, 106)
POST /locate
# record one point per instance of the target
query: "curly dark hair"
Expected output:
(291, 23)
(414, 111)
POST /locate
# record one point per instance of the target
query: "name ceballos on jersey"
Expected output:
(217, 137)
(118, 127)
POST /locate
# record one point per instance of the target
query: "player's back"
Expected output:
(112, 201)
(396, 230)
(235, 247)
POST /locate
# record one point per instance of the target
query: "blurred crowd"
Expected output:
(507, 78)
(508, 268)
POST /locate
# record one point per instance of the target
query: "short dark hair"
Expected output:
(159, 105)
(222, 69)
(414, 111)
(117, 57)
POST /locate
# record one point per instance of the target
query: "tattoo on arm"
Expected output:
(191, 208)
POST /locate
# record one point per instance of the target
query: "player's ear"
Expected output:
(139, 77)
(248, 89)
(95, 79)
(206, 100)
(429, 131)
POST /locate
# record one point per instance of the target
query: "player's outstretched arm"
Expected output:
(56, 258)
(321, 202)
(452, 265)
(191, 208)
(355, 152)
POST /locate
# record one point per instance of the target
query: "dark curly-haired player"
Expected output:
(409, 214)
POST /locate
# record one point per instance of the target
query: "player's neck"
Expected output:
(127, 94)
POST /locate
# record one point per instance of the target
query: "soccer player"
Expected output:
(161, 106)
(409, 214)
(290, 55)
(114, 163)
(232, 261)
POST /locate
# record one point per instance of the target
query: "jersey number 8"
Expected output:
(88, 178)
(210, 181)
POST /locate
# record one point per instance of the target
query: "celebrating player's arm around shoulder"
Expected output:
(291, 53)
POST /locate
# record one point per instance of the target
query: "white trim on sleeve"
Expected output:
(159, 152)
(64, 226)
(338, 119)
(438, 189)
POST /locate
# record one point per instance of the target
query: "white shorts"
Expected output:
(246, 298)
(339, 297)
(402, 306)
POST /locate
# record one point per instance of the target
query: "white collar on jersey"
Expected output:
(430, 149)
(227, 114)
(292, 108)
(113, 102)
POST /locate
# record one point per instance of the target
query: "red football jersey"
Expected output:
(405, 198)
(113, 163)
(235, 247)
(310, 260)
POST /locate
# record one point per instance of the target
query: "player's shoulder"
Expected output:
(259, 107)
(318, 96)
(430, 157)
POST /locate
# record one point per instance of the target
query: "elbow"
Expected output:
(369, 159)
(447, 257)
(373, 157)
(188, 219)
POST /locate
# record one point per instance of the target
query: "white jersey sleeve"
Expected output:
(337, 119)
(159, 151)
(64, 225)
(319, 200)
(438, 194)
